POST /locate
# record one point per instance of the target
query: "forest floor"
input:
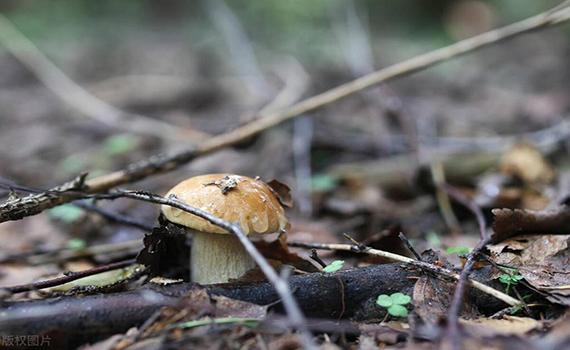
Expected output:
(469, 160)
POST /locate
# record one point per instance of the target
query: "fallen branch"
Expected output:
(12, 209)
(320, 295)
(68, 277)
(415, 263)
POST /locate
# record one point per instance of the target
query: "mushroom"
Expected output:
(217, 255)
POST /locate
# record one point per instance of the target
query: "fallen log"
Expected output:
(345, 294)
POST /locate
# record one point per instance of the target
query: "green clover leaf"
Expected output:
(400, 298)
(398, 311)
(334, 266)
(384, 300)
(395, 303)
(510, 279)
(505, 278)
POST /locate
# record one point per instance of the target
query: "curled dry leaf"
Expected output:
(509, 223)
(282, 192)
(278, 250)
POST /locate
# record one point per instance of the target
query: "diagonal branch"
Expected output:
(454, 336)
(163, 163)
(280, 284)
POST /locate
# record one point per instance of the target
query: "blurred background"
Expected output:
(113, 82)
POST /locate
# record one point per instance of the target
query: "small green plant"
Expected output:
(513, 310)
(334, 266)
(67, 213)
(395, 303)
(459, 250)
(510, 279)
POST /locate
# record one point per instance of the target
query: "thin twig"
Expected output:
(163, 163)
(474, 208)
(507, 299)
(315, 256)
(408, 244)
(454, 336)
(68, 277)
(281, 286)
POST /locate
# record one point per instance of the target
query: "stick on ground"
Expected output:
(419, 264)
(297, 320)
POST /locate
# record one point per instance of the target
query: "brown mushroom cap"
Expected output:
(234, 198)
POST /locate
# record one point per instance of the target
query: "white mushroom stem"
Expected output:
(217, 258)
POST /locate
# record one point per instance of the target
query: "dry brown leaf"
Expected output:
(278, 250)
(509, 223)
(282, 192)
(431, 296)
(509, 325)
(389, 333)
(431, 299)
(198, 304)
(544, 262)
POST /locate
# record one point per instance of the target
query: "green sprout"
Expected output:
(459, 250)
(518, 308)
(395, 303)
(334, 266)
(510, 279)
